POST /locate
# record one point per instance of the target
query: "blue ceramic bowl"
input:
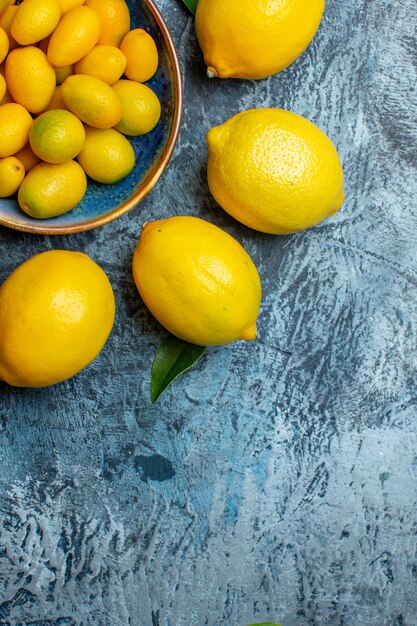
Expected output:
(104, 203)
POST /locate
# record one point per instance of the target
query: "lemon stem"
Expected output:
(212, 72)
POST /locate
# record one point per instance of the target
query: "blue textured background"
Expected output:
(277, 479)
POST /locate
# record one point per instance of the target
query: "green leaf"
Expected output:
(173, 357)
(265, 624)
(191, 5)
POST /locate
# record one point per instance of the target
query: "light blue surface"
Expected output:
(276, 480)
(101, 200)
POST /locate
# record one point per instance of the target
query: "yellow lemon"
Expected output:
(57, 101)
(15, 124)
(3, 87)
(57, 136)
(27, 157)
(61, 73)
(115, 20)
(56, 312)
(6, 96)
(274, 171)
(66, 5)
(104, 62)
(30, 78)
(92, 100)
(197, 281)
(4, 44)
(76, 34)
(141, 53)
(141, 108)
(34, 20)
(107, 156)
(6, 19)
(51, 189)
(12, 172)
(254, 38)
(4, 4)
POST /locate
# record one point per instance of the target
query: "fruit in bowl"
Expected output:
(91, 67)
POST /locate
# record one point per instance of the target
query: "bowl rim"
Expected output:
(156, 170)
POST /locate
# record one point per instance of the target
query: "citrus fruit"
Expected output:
(141, 54)
(115, 20)
(4, 4)
(57, 101)
(34, 20)
(61, 73)
(6, 19)
(15, 123)
(56, 313)
(107, 156)
(254, 38)
(197, 281)
(51, 189)
(141, 108)
(6, 96)
(27, 157)
(92, 100)
(30, 78)
(104, 62)
(12, 172)
(66, 5)
(3, 87)
(57, 136)
(274, 171)
(76, 34)
(4, 44)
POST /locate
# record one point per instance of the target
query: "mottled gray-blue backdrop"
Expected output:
(277, 479)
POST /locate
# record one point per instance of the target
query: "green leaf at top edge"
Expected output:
(265, 624)
(173, 357)
(191, 5)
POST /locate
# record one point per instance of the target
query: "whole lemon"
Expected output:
(104, 62)
(57, 136)
(141, 108)
(56, 313)
(92, 100)
(12, 172)
(274, 171)
(51, 189)
(76, 34)
(34, 20)
(115, 20)
(141, 53)
(254, 38)
(197, 280)
(15, 124)
(107, 156)
(30, 78)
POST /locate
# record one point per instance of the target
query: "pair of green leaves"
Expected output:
(191, 5)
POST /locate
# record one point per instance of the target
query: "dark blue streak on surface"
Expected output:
(155, 467)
